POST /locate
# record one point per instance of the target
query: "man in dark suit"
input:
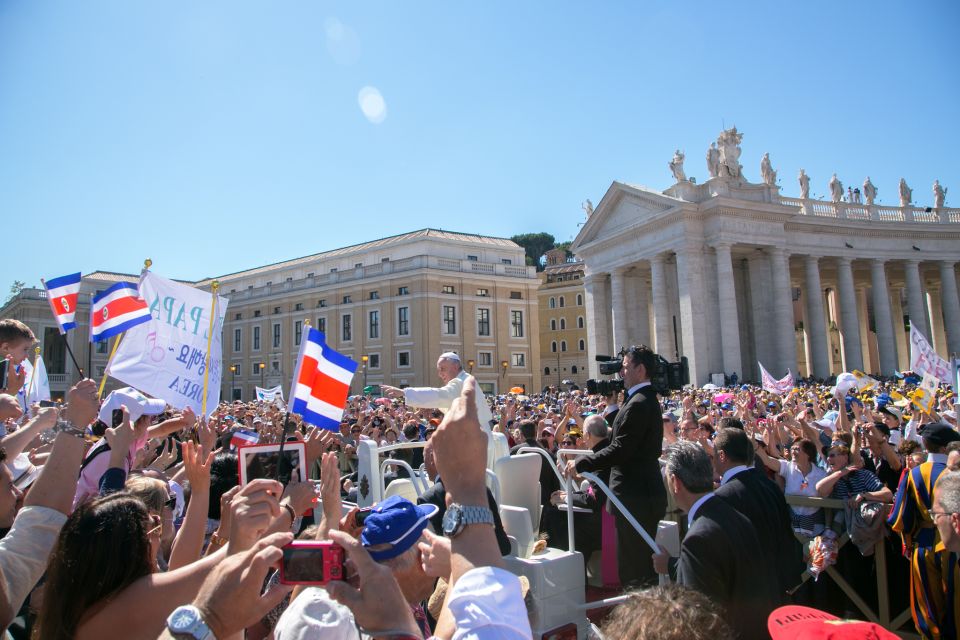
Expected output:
(632, 458)
(755, 496)
(720, 554)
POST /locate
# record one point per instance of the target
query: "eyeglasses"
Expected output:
(941, 513)
(171, 502)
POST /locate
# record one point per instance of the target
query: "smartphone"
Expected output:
(312, 562)
(47, 403)
(361, 515)
(3, 373)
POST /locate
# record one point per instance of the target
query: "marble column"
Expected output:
(760, 286)
(783, 311)
(661, 313)
(951, 306)
(937, 337)
(693, 321)
(915, 298)
(886, 341)
(638, 320)
(900, 334)
(598, 339)
(849, 321)
(618, 295)
(817, 328)
(863, 312)
(728, 315)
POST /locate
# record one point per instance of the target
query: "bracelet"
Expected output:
(65, 426)
(290, 510)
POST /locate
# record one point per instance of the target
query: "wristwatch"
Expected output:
(185, 623)
(458, 517)
(66, 426)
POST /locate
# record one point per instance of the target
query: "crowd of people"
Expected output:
(122, 517)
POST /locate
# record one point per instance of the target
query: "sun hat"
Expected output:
(396, 522)
(137, 405)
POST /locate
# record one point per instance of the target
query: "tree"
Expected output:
(534, 246)
(15, 289)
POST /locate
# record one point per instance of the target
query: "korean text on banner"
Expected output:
(166, 356)
(923, 358)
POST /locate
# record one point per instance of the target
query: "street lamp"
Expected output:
(262, 366)
(504, 364)
(233, 383)
(470, 364)
(364, 360)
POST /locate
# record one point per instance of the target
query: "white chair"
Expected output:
(516, 522)
(402, 487)
(519, 478)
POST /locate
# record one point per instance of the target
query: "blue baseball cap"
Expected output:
(396, 522)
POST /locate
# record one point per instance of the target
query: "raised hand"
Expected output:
(196, 464)
(82, 403)
(435, 554)
(252, 512)
(122, 436)
(207, 435)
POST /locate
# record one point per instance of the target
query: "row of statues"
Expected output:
(723, 161)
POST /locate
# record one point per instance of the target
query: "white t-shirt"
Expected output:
(797, 484)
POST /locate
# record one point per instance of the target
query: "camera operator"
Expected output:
(632, 458)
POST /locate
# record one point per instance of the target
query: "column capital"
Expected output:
(878, 262)
(777, 251)
(844, 261)
(660, 258)
(619, 270)
(593, 277)
(913, 262)
(723, 245)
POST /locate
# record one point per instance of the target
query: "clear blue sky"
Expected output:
(218, 136)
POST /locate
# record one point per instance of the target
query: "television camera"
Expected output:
(669, 376)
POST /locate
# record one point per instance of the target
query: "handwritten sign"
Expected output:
(166, 357)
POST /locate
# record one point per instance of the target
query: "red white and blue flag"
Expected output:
(115, 310)
(62, 294)
(243, 438)
(321, 382)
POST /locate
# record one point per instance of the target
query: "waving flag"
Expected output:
(243, 438)
(771, 384)
(116, 310)
(321, 382)
(62, 294)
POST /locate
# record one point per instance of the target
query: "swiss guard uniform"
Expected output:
(934, 575)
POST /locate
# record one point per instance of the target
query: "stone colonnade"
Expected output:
(728, 305)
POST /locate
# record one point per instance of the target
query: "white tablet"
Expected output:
(260, 461)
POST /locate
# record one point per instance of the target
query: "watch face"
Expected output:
(451, 520)
(183, 619)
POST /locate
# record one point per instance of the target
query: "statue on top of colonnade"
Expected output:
(939, 194)
(869, 191)
(906, 194)
(713, 160)
(804, 184)
(587, 207)
(836, 189)
(766, 171)
(676, 166)
(729, 146)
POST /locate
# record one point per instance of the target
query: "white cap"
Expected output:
(137, 404)
(314, 614)
(449, 355)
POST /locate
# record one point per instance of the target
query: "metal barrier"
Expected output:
(883, 615)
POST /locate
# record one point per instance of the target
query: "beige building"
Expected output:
(393, 305)
(563, 318)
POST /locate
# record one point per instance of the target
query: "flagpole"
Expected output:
(214, 286)
(286, 413)
(113, 351)
(33, 374)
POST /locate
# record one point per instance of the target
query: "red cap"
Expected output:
(803, 623)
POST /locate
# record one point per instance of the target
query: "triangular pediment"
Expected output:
(622, 207)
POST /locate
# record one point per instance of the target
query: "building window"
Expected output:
(506, 261)
(552, 303)
(403, 321)
(581, 346)
(237, 339)
(561, 302)
(403, 291)
(573, 369)
(297, 332)
(256, 313)
(374, 362)
(358, 265)
(483, 293)
(472, 258)
(238, 316)
(321, 303)
(516, 295)
(298, 306)
(546, 371)
(276, 310)
(516, 324)
(276, 335)
(403, 358)
(310, 275)
(347, 333)
(448, 288)
(483, 322)
(347, 299)
(256, 338)
(237, 370)
(484, 359)
(102, 346)
(553, 346)
(449, 320)
(518, 359)
(579, 322)
(275, 366)
(563, 345)
(553, 324)
(579, 299)
(322, 325)
(563, 324)
(374, 295)
(374, 325)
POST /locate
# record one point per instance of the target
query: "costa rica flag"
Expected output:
(62, 294)
(115, 310)
(321, 382)
(243, 438)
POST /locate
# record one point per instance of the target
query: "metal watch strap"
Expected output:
(66, 426)
(476, 515)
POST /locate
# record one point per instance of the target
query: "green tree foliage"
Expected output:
(535, 245)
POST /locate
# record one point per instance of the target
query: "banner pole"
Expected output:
(113, 351)
(33, 374)
(214, 287)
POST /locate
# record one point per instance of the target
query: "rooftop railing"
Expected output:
(881, 213)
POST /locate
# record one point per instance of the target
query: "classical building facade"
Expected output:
(393, 305)
(563, 321)
(729, 273)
